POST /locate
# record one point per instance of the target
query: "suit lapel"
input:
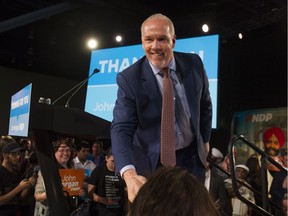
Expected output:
(150, 84)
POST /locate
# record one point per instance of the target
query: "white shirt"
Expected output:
(207, 179)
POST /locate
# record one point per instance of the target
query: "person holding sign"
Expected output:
(63, 155)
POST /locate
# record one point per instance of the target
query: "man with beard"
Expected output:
(273, 139)
(12, 188)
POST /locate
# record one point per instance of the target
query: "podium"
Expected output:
(48, 121)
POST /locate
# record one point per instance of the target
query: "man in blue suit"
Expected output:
(135, 130)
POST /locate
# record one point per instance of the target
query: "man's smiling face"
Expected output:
(158, 42)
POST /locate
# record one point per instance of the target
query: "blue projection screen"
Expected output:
(102, 88)
(19, 112)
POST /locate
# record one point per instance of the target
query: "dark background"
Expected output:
(43, 42)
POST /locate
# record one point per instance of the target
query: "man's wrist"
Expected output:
(128, 174)
(125, 168)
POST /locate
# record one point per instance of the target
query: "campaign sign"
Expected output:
(102, 88)
(253, 124)
(20, 111)
(72, 180)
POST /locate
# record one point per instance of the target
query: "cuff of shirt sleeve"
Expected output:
(125, 168)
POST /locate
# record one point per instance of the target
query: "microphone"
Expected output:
(78, 86)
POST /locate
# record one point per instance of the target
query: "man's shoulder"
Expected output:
(186, 56)
(4, 170)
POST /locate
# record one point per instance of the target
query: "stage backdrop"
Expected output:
(102, 87)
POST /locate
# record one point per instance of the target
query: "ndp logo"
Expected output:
(261, 117)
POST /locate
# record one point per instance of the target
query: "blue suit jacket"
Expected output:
(135, 130)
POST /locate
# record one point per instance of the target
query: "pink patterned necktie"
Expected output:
(167, 154)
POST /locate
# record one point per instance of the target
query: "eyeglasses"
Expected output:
(62, 151)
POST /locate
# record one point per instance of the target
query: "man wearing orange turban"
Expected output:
(273, 139)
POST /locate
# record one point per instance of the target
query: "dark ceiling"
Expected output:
(48, 36)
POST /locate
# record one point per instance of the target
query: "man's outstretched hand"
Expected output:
(134, 182)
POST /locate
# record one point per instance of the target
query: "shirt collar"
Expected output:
(171, 65)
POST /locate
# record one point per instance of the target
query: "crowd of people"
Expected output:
(22, 186)
(23, 191)
(250, 184)
(138, 182)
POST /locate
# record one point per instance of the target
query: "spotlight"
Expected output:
(240, 36)
(205, 28)
(118, 38)
(92, 43)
